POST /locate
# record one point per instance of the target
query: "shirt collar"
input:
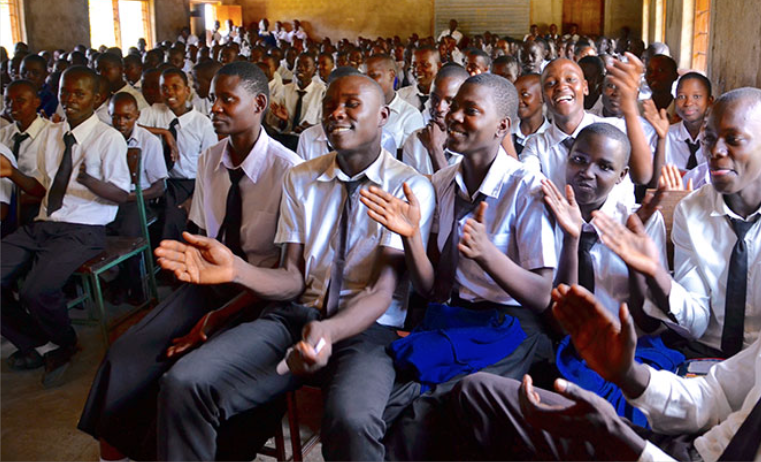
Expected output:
(251, 165)
(309, 88)
(321, 135)
(719, 208)
(33, 129)
(83, 130)
(374, 172)
(396, 104)
(500, 169)
(556, 136)
(542, 128)
(684, 135)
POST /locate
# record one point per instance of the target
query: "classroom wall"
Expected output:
(170, 17)
(679, 30)
(618, 13)
(735, 53)
(347, 18)
(56, 24)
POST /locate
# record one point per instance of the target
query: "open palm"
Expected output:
(201, 261)
(631, 243)
(566, 211)
(401, 217)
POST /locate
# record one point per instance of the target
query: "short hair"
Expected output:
(37, 59)
(327, 55)
(452, 70)
(148, 72)
(307, 55)
(480, 53)
(23, 83)
(367, 79)
(342, 71)
(116, 51)
(504, 94)
(668, 59)
(428, 48)
(595, 61)
(390, 62)
(133, 59)
(695, 76)
(609, 131)
(84, 71)
(110, 58)
(207, 66)
(749, 94)
(174, 71)
(251, 77)
(124, 97)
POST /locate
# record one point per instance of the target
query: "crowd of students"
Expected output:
(430, 231)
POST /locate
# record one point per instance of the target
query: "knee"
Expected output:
(347, 421)
(181, 383)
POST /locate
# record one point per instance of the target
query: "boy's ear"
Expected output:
(385, 112)
(624, 172)
(261, 103)
(505, 124)
(586, 87)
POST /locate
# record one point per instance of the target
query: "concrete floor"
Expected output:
(39, 424)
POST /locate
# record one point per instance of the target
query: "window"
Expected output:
(107, 17)
(701, 34)
(10, 24)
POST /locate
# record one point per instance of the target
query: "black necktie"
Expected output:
(568, 143)
(692, 162)
(586, 269)
(167, 151)
(737, 283)
(297, 112)
(18, 138)
(450, 254)
(330, 304)
(229, 232)
(518, 147)
(423, 99)
(744, 445)
(62, 176)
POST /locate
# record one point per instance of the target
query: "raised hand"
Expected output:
(201, 261)
(605, 344)
(627, 76)
(658, 119)
(671, 179)
(475, 243)
(566, 210)
(631, 243)
(395, 214)
(279, 111)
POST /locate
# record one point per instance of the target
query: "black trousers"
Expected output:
(47, 253)
(491, 426)
(235, 373)
(173, 219)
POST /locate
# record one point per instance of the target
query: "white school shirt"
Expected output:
(104, 153)
(313, 196)
(416, 155)
(597, 108)
(311, 105)
(703, 242)
(546, 153)
(716, 404)
(195, 134)
(403, 119)
(522, 139)
(285, 73)
(276, 87)
(412, 94)
(154, 165)
(265, 167)
(313, 142)
(30, 147)
(611, 273)
(141, 102)
(6, 185)
(202, 105)
(456, 35)
(103, 115)
(700, 175)
(517, 222)
(677, 152)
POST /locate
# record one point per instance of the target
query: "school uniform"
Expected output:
(414, 96)
(519, 225)
(68, 231)
(195, 134)
(456, 35)
(403, 119)
(548, 153)
(704, 239)
(6, 185)
(121, 407)
(285, 73)
(29, 146)
(359, 376)
(313, 142)
(311, 104)
(520, 140)
(680, 147)
(103, 115)
(141, 102)
(202, 105)
(276, 87)
(700, 175)
(416, 155)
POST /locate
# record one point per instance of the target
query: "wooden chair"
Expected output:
(669, 200)
(119, 249)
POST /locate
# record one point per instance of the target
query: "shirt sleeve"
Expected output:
(154, 166)
(197, 205)
(290, 228)
(6, 185)
(209, 136)
(412, 123)
(415, 155)
(113, 164)
(530, 155)
(534, 231)
(653, 453)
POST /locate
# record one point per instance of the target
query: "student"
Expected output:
(685, 138)
(111, 68)
(124, 114)
(202, 74)
(152, 59)
(425, 64)
(133, 70)
(530, 113)
(712, 296)
(101, 103)
(287, 65)
(594, 73)
(35, 69)
(477, 62)
(299, 108)
(176, 57)
(493, 248)
(425, 149)
(82, 174)
(533, 58)
(191, 132)
(451, 32)
(564, 89)
(24, 136)
(228, 55)
(706, 418)
(325, 65)
(7, 164)
(150, 86)
(660, 75)
(353, 367)
(403, 118)
(507, 67)
(126, 380)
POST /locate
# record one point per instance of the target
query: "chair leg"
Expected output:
(98, 295)
(88, 303)
(148, 256)
(293, 424)
(280, 443)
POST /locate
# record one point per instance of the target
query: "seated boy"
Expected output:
(477, 61)
(684, 139)
(111, 68)
(660, 75)
(594, 73)
(507, 67)
(121, 408)
(425, 149)
(530, 113)
(81, 174)
(35, 69)
(133, 70)
(187, 133)
(425, 64)
(342, 270)
(299, 107)
(150, 86)
(202, 74)
(491, 247)
(713, 297)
